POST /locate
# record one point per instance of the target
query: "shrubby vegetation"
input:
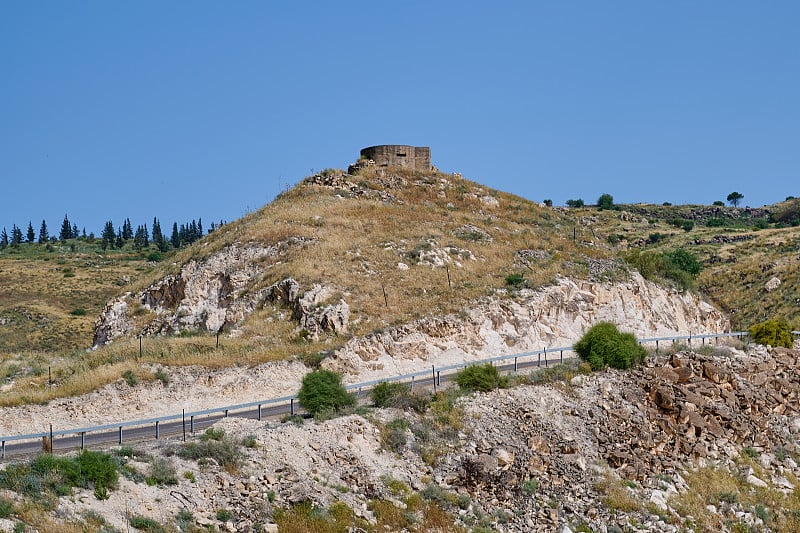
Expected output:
(680, 266)
(775, 332)
(49, 474)
(323, 390)
(481, 378)
(604, 345)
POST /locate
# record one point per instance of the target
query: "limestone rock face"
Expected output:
(216, 293)
(551, 317)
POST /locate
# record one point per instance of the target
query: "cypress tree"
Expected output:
(176, 238)
(108, 236)
(74, 233)
(66, 229)
(120, 241)
(30, 235)
(4, 239)
(43, 235)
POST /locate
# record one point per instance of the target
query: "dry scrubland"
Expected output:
(354, 242)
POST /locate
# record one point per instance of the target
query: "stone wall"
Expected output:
(398, 155)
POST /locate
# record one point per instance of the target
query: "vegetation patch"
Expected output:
(604, 345)
(323, 390)
(482, 378)
(775, 332)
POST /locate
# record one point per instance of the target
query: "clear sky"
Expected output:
(204, 109)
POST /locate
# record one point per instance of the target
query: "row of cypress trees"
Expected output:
(182, 234)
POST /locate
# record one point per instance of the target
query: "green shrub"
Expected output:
(385, 393)
(56, 475)
(146, 524)
(6, 507)
(78, 311)
(162, 472)
(162, 376)
(775, 332)
(130, 378)
(516, 281)
(679, 266)
(480, 378)
(575, 203)
(323, 389)
(215, 446)
(223, 515)
(604, 345)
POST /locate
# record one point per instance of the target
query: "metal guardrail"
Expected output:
(290, 400)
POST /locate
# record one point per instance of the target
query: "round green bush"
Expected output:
(323, 389)
(480, 378)
(604, 345)
(775, 332)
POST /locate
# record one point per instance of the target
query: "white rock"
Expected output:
(753, 480)
(402, 266)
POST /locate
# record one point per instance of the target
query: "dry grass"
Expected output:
(719, 487)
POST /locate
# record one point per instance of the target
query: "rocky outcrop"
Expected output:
(216, 293)
(551, 317)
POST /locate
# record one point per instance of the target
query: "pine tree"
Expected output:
(4, 239)
(30, 235)
(66, 229)
(199, 228)
(16, 236)
(120, 242)
(43, 235)
(74, 231)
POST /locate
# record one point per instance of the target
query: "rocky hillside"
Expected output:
(688, 442)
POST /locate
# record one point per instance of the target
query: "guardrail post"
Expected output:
(539, 362)
(3, 450)
(412, 383)
(156, 429)
(433, 372)
(291, 407)
(183, 423)
(656, 345)
(545, 356)
(191, 424)
(120, 435)
(439, 377)
(226, 413)
(83, 440)
(259, 412)
(561, 357)
(515, 365)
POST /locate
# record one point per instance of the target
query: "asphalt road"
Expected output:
(185, 428)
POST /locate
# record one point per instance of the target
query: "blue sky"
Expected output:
(205, 109)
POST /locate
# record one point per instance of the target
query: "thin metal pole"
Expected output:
(259, 412)
(439, 377)
(562, 357)
(183, 423)
(140, 346)
(3, 450)
(433, 372)
(157, 430)
(191, 424)
(226, 413)
(120, 435)
(539, 362)
(83, 440)
(545, 356)
(291, 407)
(515, 364)
(51, 438)
(412, 382)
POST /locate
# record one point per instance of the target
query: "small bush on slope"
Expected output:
(604, 345)
(775, 332)
(323, 389)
